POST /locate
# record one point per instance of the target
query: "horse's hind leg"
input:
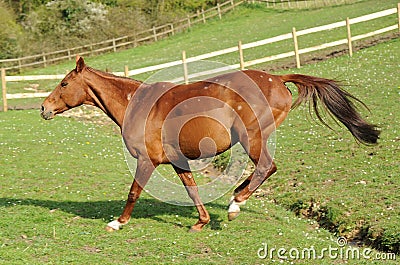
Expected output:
(191, 187)
(265, 167)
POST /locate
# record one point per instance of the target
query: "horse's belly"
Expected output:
(197, 137)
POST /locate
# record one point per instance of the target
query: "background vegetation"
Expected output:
(30, 27)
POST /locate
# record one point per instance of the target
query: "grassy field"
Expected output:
(63, 180)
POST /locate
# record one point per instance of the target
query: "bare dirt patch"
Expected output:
(329, 53)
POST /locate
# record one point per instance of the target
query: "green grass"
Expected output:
(63, 180)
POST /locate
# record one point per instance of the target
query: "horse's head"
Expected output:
(71, 92)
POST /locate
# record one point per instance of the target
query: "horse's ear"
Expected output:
(80, 64)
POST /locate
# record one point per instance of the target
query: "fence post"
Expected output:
(241, 55)
(188, 20)
(4, 88)
(44, 60)
(172, 29)
(398, 15)
(126, 71)
(203, 16)
(155, 33)
(114, 45)
(296, 48)
(185, 70)
(219, 11)
(349, 37)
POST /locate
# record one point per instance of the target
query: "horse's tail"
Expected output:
(337, 101)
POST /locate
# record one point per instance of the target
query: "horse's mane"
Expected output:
(110, 75)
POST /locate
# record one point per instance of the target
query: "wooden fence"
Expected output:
(239, 49)
(153, 34)
(115, 44)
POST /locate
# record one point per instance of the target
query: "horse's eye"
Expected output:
(64, 84)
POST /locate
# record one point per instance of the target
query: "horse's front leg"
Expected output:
(187, 179)
(143, 172)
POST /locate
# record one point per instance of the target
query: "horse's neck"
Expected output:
(112, 95)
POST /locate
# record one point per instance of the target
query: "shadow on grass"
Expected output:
(145, 208)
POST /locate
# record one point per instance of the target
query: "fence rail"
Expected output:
(242, 63)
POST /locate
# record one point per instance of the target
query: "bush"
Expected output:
(9, 33)
(60, 23)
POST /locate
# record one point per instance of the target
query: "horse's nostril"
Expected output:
(42, 108)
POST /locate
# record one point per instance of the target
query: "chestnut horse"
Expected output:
(164, 123)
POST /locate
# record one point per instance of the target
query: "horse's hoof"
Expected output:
(234, 209)
(113, 226)
(232, 216)
(110, 229)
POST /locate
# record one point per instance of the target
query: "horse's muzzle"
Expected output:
(46, 114)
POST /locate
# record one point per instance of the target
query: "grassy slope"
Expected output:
(70, 188)
(215, 35)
